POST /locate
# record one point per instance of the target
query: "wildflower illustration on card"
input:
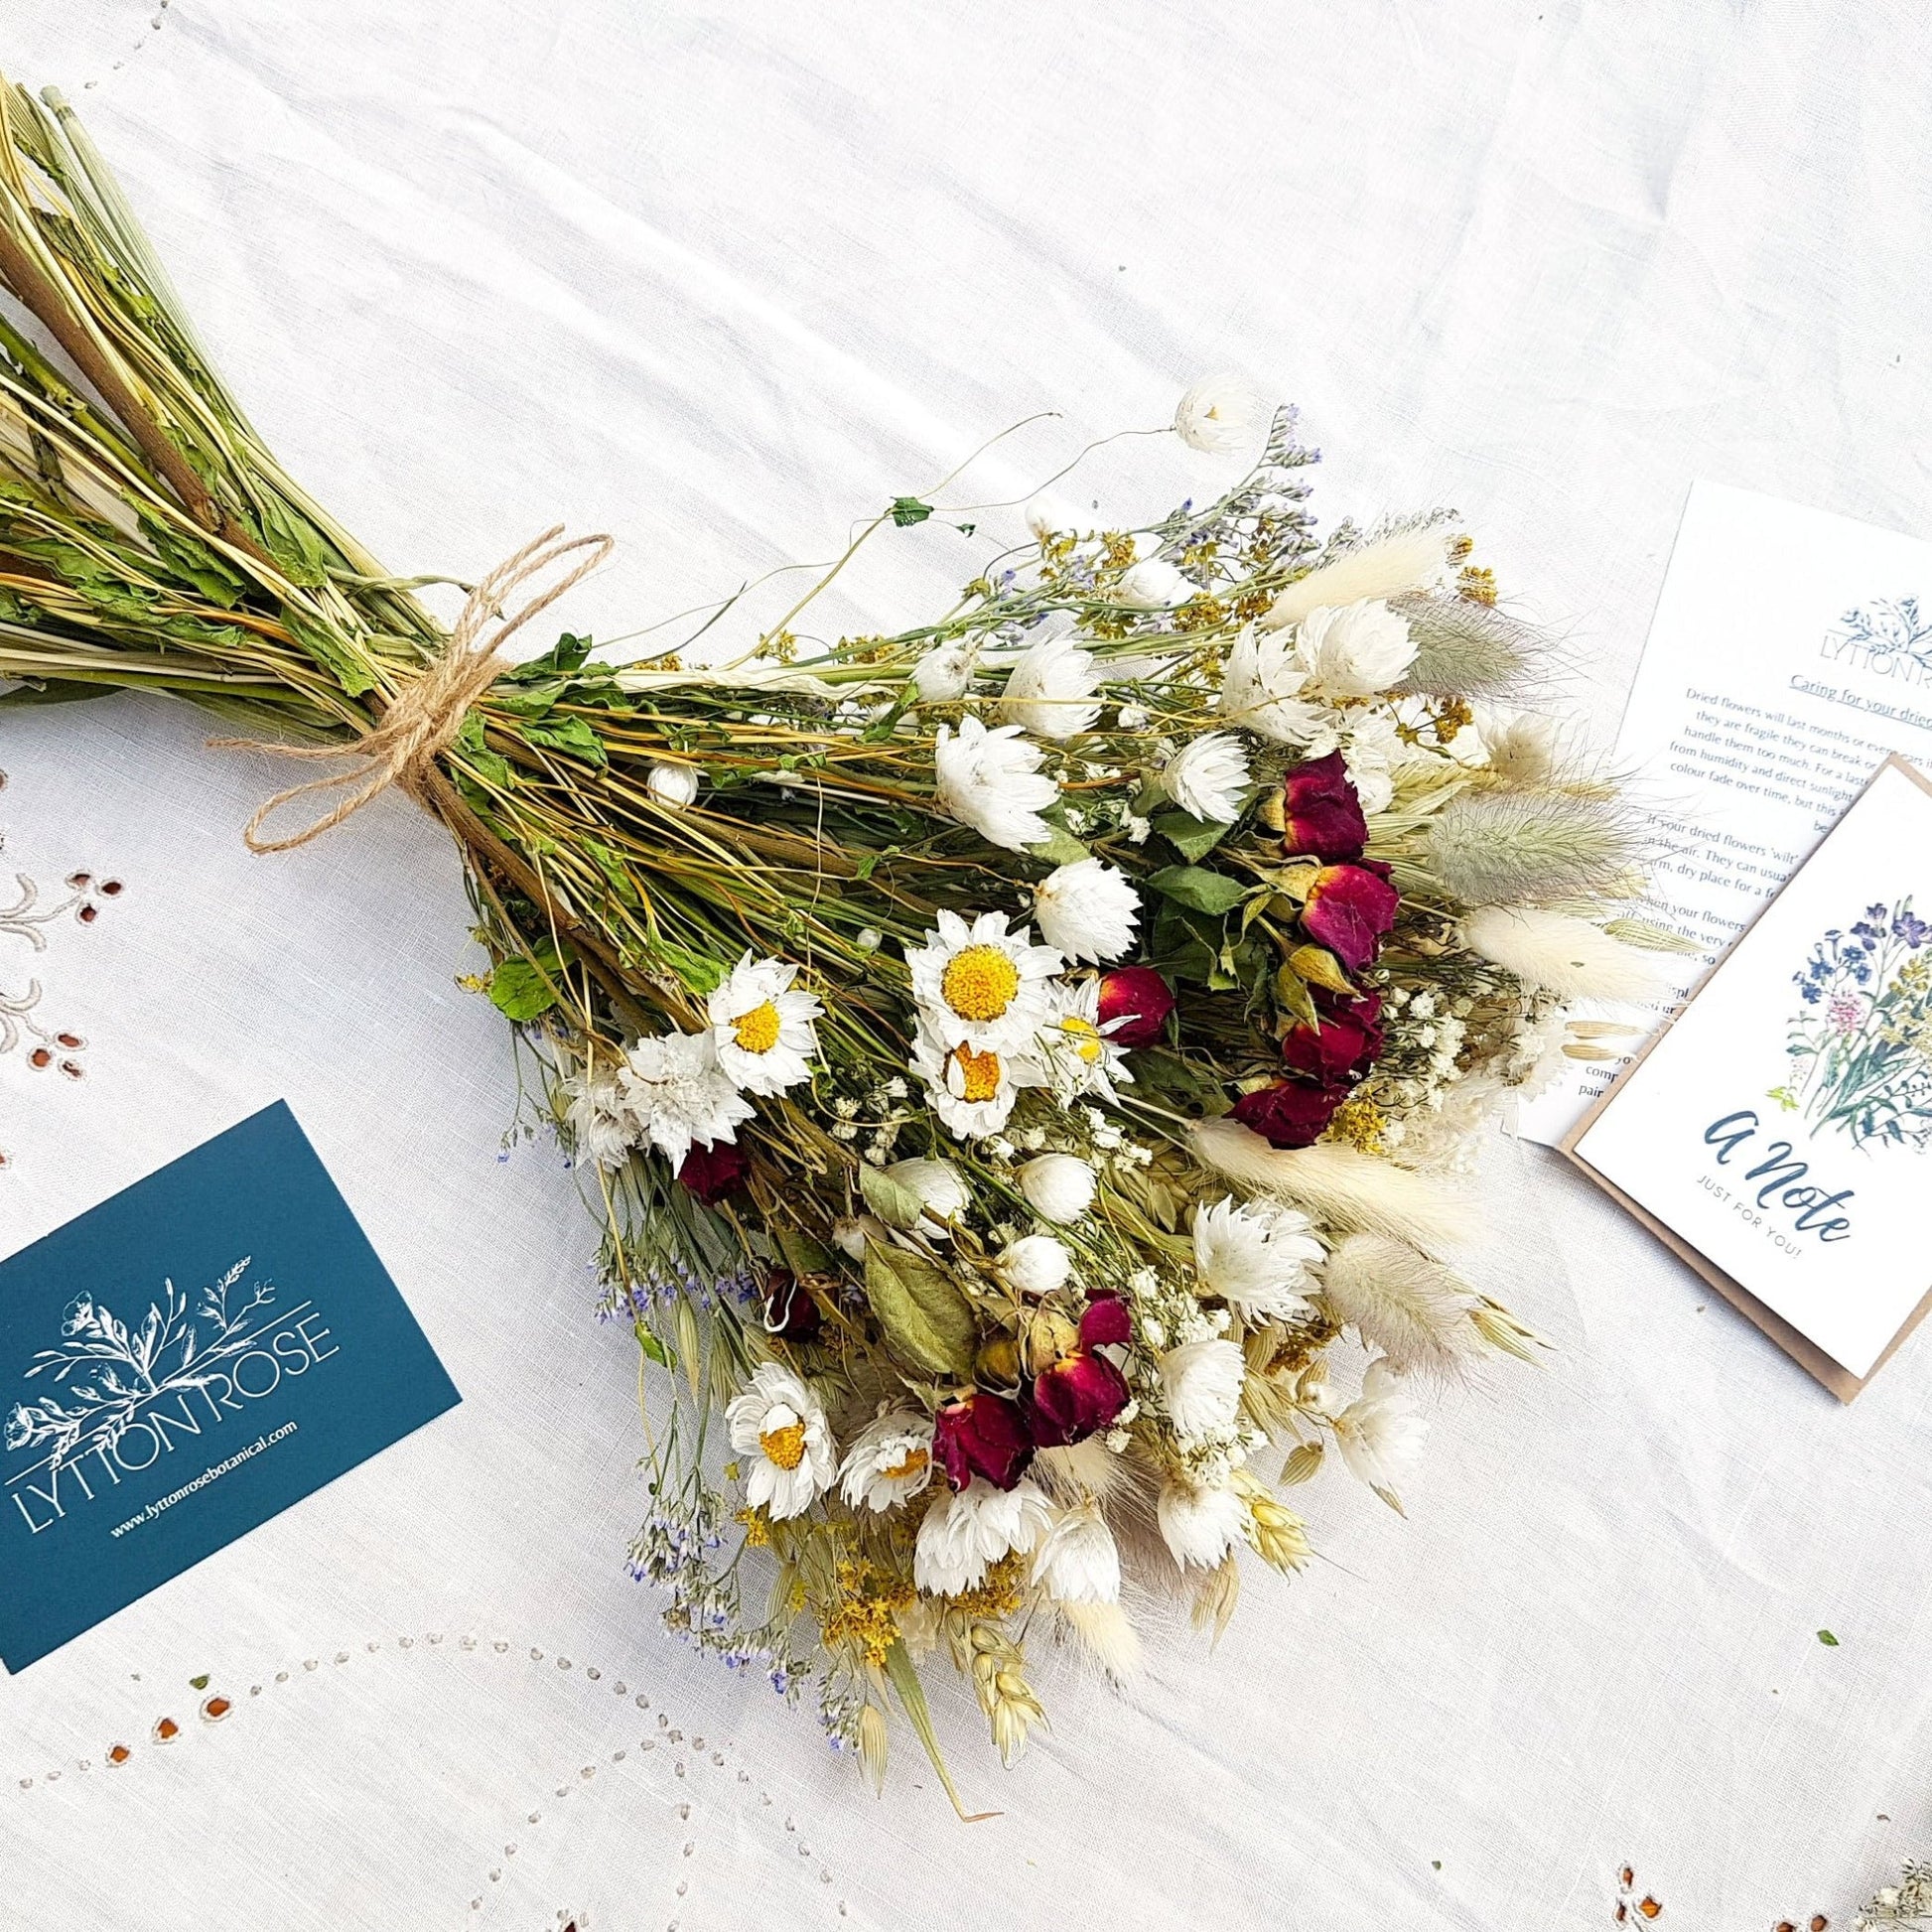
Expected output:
(1860, 1043)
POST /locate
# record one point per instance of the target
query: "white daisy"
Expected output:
(795, 1457)
(1260, 690)
(1088, 910)
(890, 1461)
(962, 1533)
(603, 1127)
(1353, 651)
(1256, 1258)
(1379, 1432)
(675, 1086)
(1200, 1526)
(1078, 1562)
(1220, 414)
(1075, 1053)
(763, 1025)
(972, 1091)
(1050, 689)
(1059, 1187)
(1202, 1384)
(992, 781)
(1207, 778)
(983, 985)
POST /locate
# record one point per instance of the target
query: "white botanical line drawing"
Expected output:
(110, 1370)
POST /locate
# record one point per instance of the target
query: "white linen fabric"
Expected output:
(719, 279)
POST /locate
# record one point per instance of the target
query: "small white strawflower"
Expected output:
(983, 985)
(972, 1091)
(1050, 689)
(1202, 1384)
(1087, 910)
(675, 786)
(782, 1420)
(1260, 686)
(1353, 651)
(940, 1186)
(944, 673)
(1219, 415)
(1077, 1561)
(964, 1532)
(675, 1086)
(1256, 1258)
(1200, 1526)
(1051, 516)
(1154, 584)
(1373, 750)
(1035, 1264)
(1207, 776)
(992, 781)
(603, 1127)
(1059, 1187)
(1379, 1432)
(762, 1027)
(890, 1461)
(1076, 1055)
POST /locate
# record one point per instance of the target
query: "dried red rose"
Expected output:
(1321, 818)
(1079, 1394)
(790, 1310)
(711, 1173)
(982, 1435)
(1349, 909)
(1139, 999)
(1105, 1320)
(1343, 1043)
(1289, 1114)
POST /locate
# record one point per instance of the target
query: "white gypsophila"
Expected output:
(965, 1531)
(992, 781)
(1050, 689)
(1035, 1264)
(603, 1127)
(763, 1025)
(1059, 1187)
(1355, 650)
(1208, 776)
(1199, 1525)
(675, 1086)
(675, 786)
(890, 1461)
(780, 1424)
(1077, 1561)
(1261, 683)
(1072, 1048)
(1380, 1433)
(972, 1090)
(944, 673)
(1202, 1384)
(1219, 415)
(1087, 910)
(1154, 584)
(1256, 1256)
(982, 985)
(941, 1189)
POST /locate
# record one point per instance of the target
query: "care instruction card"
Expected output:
(182, 1362)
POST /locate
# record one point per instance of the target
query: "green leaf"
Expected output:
(1200, 889)
(571, 735)
(564, 658)
(519, 992)
(329, 650)
(651, 1347)
(905, 1674)
(1063, 849)
(892, 1200)
(803, 1254)
(613, 869)
(1824, 1637)
(925, 1314)
(1193, 838)
(53, 690)
(700, 974)
(908, 510)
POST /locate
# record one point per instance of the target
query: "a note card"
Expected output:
(182, 1362)
(1778, 1133)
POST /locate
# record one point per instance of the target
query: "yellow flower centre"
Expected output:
(979, 1073)
(757, 1032)
(785, 1446)
(1085, 1037)
(979, 983)
(909, 1464)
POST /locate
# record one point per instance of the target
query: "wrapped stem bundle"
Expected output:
(978, 1042)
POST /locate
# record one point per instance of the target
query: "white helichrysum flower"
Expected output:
(1219, 414)
(1355, 650)
(1077, 1561)
(1202, 1384)
(1256, 1258)
(795, 1457)
(1050, 689)
(972, 1090)
(983, 985)
(963, 1531)
(1373, 748)
(941, 1189)
(679, 1092)
(1524, 746)
(1088, 910)
(1379, 1432)
(890, 1461)
(1035, 1264)
(1260, 686)
(1076, 1055)
(1048, 516)
(603, 1127)
(992, 781)
(675, 786)
(1154, 584)
(945, 671)
(1201, 1525)
(1059, 1187)
(763, 1025)
(851, 1232)
(1207, 776)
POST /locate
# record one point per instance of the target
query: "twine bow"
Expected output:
(422, 721)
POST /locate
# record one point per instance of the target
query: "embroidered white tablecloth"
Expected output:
(718, 279)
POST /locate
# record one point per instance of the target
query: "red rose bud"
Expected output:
(1342, 1045)
(1105, 1320)
(1321, 818)
(711, 1173)
(1077, 1397)
(1139, 999)
(1349, 908)
(1289, 1114)
(982, 1436)
(791, 1314)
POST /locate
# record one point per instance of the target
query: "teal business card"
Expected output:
(182, 1362)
